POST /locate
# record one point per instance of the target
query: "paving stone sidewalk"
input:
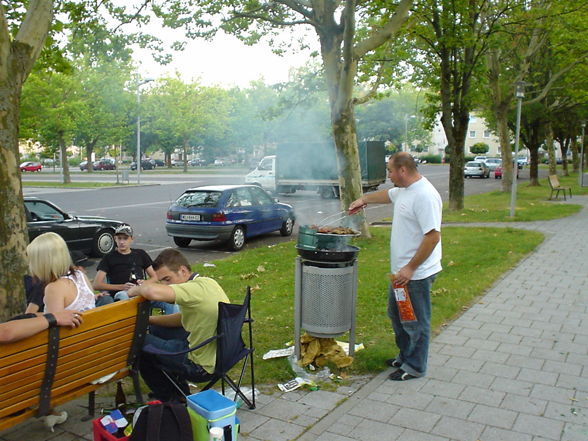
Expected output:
(514, 367)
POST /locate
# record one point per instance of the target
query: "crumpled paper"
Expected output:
(320, 351)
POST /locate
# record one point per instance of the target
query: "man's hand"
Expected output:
(134, 291)
(356, 205)
(71, 319)
(403, 276)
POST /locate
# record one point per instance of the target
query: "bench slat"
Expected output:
(93, 355)
(94, 318)
(69, 346)
(98, 348)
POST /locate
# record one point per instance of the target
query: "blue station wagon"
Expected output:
(230, 213)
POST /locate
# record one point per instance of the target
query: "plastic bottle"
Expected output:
(215, 434)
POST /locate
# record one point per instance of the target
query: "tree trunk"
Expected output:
(575, 156)
(506, 153)
(564, 143)
(534, 167)
(89, 150)
(13, 227)
(64, 162)
(339, 76)
(185, 154)
(550, 149)
(89, 163)
(501, 99)
(17, 56)
(344, 132)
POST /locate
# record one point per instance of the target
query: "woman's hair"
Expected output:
(49, 257)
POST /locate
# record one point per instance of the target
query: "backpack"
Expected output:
(163, 422)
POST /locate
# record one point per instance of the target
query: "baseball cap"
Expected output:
(124, 229)
(79, 259)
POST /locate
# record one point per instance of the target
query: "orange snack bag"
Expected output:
(403, 302)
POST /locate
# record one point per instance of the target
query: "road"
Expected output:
(144, 207)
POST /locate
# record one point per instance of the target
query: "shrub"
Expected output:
(480, 148)
(431, 159)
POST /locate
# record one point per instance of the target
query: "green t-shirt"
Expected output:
(198, 301)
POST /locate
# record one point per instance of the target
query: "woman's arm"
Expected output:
(20, 329)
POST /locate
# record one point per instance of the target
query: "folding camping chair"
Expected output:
(230, 349)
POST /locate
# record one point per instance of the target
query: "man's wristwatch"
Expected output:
(51, 319)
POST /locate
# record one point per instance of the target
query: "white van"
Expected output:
(264, 174)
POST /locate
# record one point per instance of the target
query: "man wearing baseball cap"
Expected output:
(124, 267)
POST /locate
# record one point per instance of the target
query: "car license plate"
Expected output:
(190, 217)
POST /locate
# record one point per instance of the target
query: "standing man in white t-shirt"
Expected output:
(415, 258)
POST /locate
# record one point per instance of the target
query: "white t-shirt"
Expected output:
(417, 210)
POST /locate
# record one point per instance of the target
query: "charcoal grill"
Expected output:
(325, 292)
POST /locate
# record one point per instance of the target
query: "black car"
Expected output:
(145, 165)
(90, 234)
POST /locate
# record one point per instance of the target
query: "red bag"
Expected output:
(405, 310)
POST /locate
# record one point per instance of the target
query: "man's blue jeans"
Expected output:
(412, 338)
(180, 368)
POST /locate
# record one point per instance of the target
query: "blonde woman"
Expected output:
(66, 287)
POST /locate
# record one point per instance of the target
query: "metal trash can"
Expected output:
(327, 300)
(325, 294)
(125, 176)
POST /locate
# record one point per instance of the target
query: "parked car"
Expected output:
(104, 164)
(197, 162)
(498, 172)
(492, 163)
(145, 165)
(31, 166)
(230, 213)
(89, 234)
(157, 163)
(219, 162)
(476, 168)
(480, 158)
(522, 161)
(83, 165)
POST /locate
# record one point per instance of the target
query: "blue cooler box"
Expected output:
(210, 409)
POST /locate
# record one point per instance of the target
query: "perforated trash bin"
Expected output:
(325, 295)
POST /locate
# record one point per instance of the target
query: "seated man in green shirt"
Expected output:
(198, 299)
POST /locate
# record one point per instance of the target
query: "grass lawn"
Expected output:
(532, 204)
(270, 272)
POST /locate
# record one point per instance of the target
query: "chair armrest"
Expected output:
(153, 350)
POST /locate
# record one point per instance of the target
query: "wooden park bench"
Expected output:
(61, 364)
(557, 187)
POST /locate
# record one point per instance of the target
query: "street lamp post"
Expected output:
(139, 84)
(582, 156)
(520, 94)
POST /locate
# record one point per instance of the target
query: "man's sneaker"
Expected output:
(393, 362)
(400, 375)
